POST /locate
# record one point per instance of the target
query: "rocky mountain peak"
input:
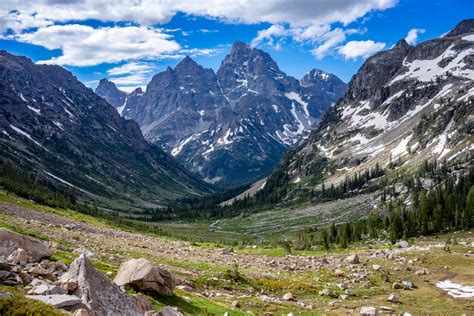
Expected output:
(464, 27)
(186, 64)
(401, 44)
(316, 76)
(239, 47)
(109, 91)
(204, 119)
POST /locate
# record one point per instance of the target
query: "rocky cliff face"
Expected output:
(56, 128)
(231, 127)
(404, 105)
(110, 93)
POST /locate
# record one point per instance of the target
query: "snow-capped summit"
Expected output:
(405, 104)
(231, 127)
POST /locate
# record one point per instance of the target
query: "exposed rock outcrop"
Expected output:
(10, 242)
(144, 276)
(97, 292)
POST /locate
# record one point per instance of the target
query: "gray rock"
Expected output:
(57, 300)
(288, 296)
(392, 298)
(170, 311)
(97, 292)
(6, 295)
(327, 292)
(368, 311)
(407, 285)
(11, 241)
(403, 244)
(141, 274)
(46, 288)
(386, 309)
(353, 259)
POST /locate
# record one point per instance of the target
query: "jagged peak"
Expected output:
(137, 91)
(401, 44)
(239, 46)
(463, 27)
(186, 61)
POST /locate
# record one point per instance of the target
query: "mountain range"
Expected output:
(231, 127)
(404, 106)
(59, 130)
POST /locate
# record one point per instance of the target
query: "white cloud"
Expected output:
(133, 67)
(270, 35)
(305, 21)
(83, 45)
(331, 39)
(412, 35)
(356, 49)
(150, 12)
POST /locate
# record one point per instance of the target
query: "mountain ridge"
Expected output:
(208, 120)
(50, 120)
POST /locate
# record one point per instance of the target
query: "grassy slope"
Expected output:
(305, 285)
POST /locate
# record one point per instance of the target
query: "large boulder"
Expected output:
(97, 292)
(144, 276)
(11, 241)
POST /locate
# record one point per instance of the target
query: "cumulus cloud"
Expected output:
(356, 49)
(133, 67)
(45, 23)
(150, 12)
(412, 35)
(270, 35)
(83, 45)
(331, 39)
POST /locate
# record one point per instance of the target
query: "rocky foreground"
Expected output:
(107, 271)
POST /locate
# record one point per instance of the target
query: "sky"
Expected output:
(130, 41)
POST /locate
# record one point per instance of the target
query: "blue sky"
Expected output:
(129, 42)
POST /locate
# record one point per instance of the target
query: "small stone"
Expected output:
(6, 295)
(353, 259)
(344, 297)
(342, 286)
(407, 285)
(339, 272)
(376, 267)
(235, 304)
(327, 292)
(169, 311)
(368, 311)
(423, 271)
(288, 296)
(386, 309)
(397, 285)
(403, 244)
(392, 298)
(349, 292)
(185, 287)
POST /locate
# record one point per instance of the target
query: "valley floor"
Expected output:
(266, 275)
